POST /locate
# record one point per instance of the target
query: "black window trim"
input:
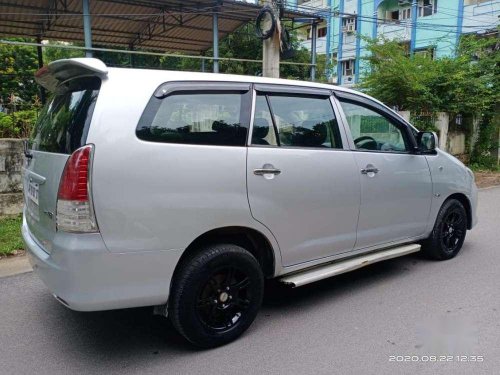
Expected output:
(174, 87)
(275, 128)
(169, 88)
(290, 90)
(381, 110)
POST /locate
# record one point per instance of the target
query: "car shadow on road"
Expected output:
(136, 334)
(281, 296)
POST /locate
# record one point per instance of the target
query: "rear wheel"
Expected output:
(449, 231)
(216, 295)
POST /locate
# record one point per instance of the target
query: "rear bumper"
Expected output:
(83, 275)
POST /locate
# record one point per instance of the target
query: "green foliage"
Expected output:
(424, 121)
(53, 54)
(17, 66)
(483, 95)
(467, 83)
(17, 124)
(416, 83)
(243, 44)
(10, 235)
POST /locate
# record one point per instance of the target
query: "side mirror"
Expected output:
(427, 141)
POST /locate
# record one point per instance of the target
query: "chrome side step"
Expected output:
(322, 272)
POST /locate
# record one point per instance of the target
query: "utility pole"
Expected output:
(314, 33)
(271, 47)
(39, 52)
(87, 27)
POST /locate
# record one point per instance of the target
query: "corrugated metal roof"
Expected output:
(170, 25)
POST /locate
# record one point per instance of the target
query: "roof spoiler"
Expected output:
(50, 76)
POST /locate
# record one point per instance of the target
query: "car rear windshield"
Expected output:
(200, 118)
(63, 123)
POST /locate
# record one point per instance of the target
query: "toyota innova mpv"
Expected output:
(185, 191)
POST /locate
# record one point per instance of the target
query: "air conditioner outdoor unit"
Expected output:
(350, 28)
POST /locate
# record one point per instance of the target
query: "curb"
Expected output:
(14, 266)
(489, 187)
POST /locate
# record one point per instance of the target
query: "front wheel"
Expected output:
(449, 231)
(216, 295)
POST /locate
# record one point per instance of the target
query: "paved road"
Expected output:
(350, 324)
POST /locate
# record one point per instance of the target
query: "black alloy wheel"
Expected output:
(448, 234)
(224, 298)
(216, 294)
(453, 230)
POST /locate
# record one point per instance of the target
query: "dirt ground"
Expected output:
(487, 179)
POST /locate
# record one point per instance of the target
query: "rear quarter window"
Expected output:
(63, 123)
(215, 117)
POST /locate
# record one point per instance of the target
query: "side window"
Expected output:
(305, 121)
(373, 131)
(201, 118)
(263, 130)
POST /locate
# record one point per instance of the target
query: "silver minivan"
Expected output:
(185, 191)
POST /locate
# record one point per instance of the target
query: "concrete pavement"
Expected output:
(15, 265)
(351, 324)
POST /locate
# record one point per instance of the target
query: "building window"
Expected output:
(349, 24)
(321, 32)
(348, 68)
(398, 14)
(426, 52)
(427, 7)
(405, 14)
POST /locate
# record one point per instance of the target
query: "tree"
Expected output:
(243, 44)
(467, 83)
(17, 66)
(482, 93)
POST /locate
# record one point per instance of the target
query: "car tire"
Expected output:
(449, 232)
(216, 294)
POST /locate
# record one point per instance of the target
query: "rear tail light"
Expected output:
(75, 212)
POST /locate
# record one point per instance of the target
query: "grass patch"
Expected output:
(10, 235)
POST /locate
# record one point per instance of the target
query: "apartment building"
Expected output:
(432, 27)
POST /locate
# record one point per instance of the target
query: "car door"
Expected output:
(302, 183)
(396, 186)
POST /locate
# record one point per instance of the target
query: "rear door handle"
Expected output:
(263, 171)
(368, 169)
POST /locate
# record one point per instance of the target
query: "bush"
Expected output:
(17, 124)
(10, 235)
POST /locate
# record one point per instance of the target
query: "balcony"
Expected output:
(392, 31)
(479, 16)
(313, 4)
(320, 45)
